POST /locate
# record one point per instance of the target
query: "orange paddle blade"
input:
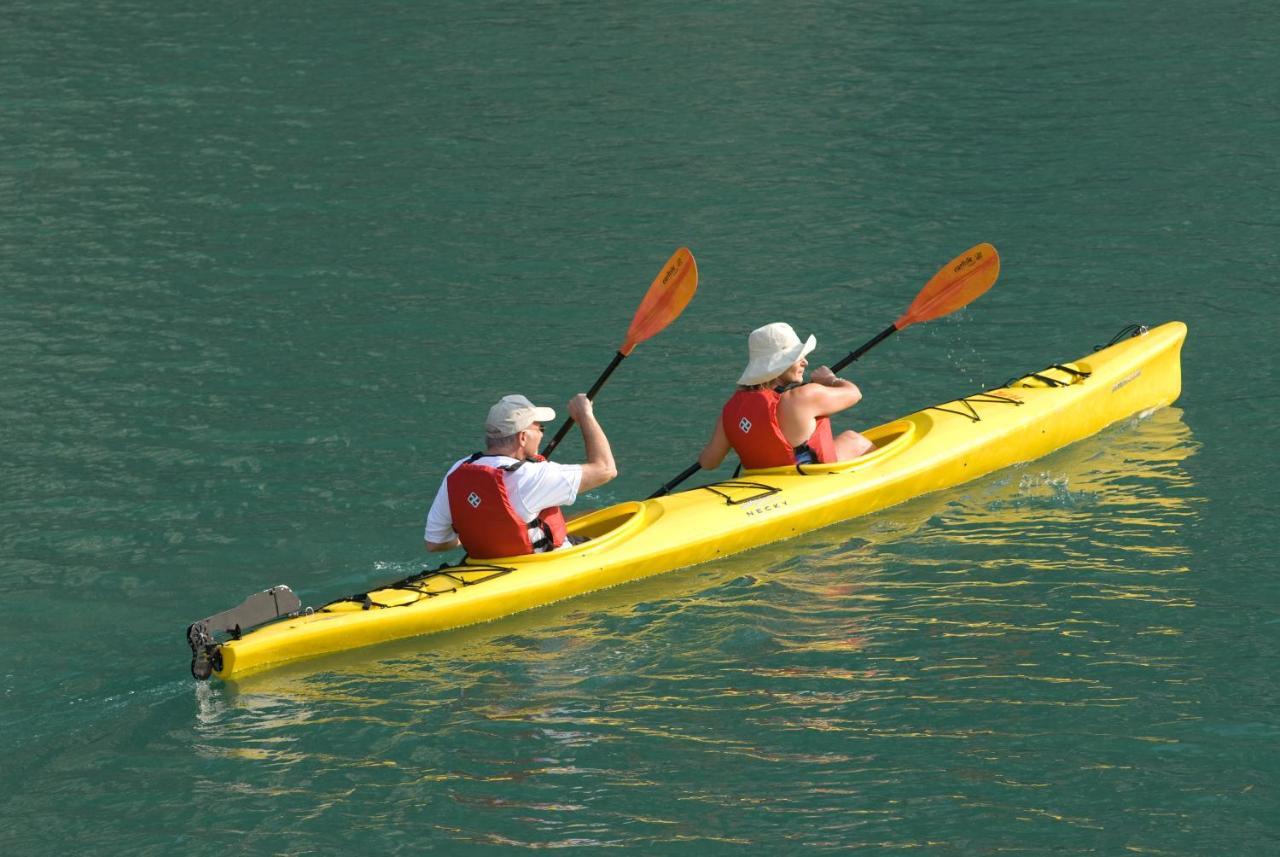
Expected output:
(961, 281)
(665, 300)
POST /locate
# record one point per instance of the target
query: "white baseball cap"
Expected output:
(770, 350)
(513, 414)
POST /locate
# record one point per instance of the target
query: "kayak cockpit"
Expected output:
(606, 526)
(889, 439)
(611, 522)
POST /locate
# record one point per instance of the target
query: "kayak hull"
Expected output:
(933, 449)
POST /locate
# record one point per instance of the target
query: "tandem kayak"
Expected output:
(938, 447)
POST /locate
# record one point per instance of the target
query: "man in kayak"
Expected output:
(775, 419)
(506, 500)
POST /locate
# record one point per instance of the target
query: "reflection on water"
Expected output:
(931, 653)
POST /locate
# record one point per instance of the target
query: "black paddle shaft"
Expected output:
(854, 355)
(666, 489)
(591, 394)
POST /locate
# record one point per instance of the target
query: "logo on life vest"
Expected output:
(745, 425)
(474, 499)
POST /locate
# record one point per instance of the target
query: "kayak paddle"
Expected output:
(961, 281)
(667, 297)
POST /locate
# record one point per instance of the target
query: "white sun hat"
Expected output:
(770, 350)
(513, 414)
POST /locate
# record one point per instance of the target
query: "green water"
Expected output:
(263, 267)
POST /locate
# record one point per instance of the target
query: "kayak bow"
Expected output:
(935, 448)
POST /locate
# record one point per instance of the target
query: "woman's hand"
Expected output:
(824, 376)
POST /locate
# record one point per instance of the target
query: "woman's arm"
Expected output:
(716, 449)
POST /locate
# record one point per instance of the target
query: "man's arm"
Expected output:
(599, 467)
(441, 546)
(438, 534)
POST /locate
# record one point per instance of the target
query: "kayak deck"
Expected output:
(935, 448)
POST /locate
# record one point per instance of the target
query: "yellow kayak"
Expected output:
(935, 448)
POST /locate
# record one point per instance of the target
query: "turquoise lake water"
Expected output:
(263, 268)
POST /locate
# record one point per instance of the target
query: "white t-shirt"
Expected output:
(532, 487)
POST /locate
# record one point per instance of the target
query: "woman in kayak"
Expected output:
(775, 419)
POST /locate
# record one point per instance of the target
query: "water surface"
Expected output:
(262, 271)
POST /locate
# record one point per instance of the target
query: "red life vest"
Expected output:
(485, 520)
(750, 420)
